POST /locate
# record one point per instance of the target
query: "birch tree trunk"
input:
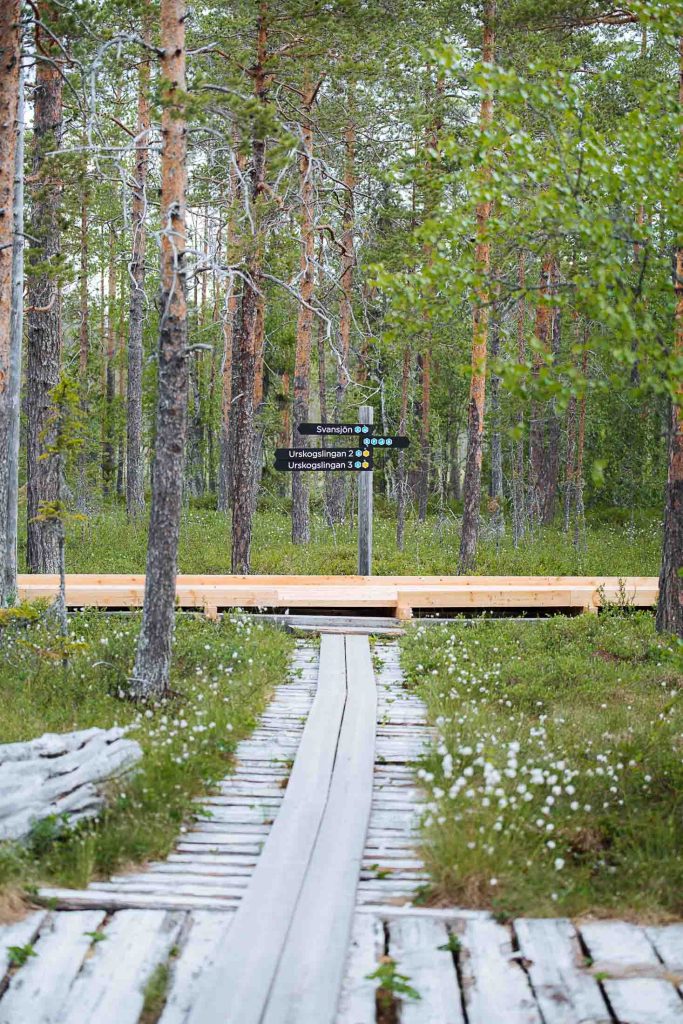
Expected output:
(475, 418)
(670, 604)
(301, 526)
(10, 74)
(135, 467)
(153, 658)
(44, 327)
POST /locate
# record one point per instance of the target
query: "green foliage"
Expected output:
(618, 543)
(222, 674)
(18, 955)
(555, 779)
(392, 983)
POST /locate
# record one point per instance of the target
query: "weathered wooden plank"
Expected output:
(110, 987)
(414, 943)
(309, 976)
(74, 899)
(617, 944)
(205, 937)
(20, 933)
(237, 987)
(565, 992)
(496, 987)
(357, 999)
(644, 1001)
(39, 990)
(668, 942)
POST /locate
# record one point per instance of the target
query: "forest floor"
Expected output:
(555, 782)
(614, 545)
(222, 677)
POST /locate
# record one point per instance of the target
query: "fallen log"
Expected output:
(60, 776)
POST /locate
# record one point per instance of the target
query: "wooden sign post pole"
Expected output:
(365, 415)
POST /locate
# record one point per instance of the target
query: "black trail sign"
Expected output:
(300, 464)
(338, 429)
(282, 454)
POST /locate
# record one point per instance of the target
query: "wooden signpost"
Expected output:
(352, 458)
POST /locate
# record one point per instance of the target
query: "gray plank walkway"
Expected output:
(278, 908)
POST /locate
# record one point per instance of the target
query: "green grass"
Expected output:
(221, 678)
(556, 781)
(106, 542)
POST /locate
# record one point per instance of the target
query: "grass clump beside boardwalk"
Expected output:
(556, 781)
(222, 676)
(106, 542)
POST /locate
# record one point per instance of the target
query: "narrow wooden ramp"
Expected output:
(283, 959)
(280, 909)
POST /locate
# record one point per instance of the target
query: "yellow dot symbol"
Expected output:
(366, 453)
(365, 465)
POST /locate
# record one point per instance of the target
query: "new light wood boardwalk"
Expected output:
(398, 596)
(278, 908)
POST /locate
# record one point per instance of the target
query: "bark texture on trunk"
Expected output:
(301, 526)
(153, 658)
(401, 475)
(475, 417)
(229, 324)
(10, 64)
(108, 448)
(135, 466)
(44, 327)
(16, 345)
(670, 604)
(245, 365)
(424, 371)
(496, 439)
(337, 481)
(519, 513)
(537, 427)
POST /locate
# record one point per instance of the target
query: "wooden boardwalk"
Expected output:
(277, 909)
(399, 596)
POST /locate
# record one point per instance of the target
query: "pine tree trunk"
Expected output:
(135, 467)
(337, 481)
(670, 604)
(496, 439)
(16, 345)
(424, 370)
(259, 396)
(245, 364)
(552, 456)
(224, 448)
(401, 476)
(229, 322)
(153, 658)
(301, 526)
(475, 417)
(538, 451)
(108, 449)
(44, 327)
(579, 517)
(519, 514)
(10, 69)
